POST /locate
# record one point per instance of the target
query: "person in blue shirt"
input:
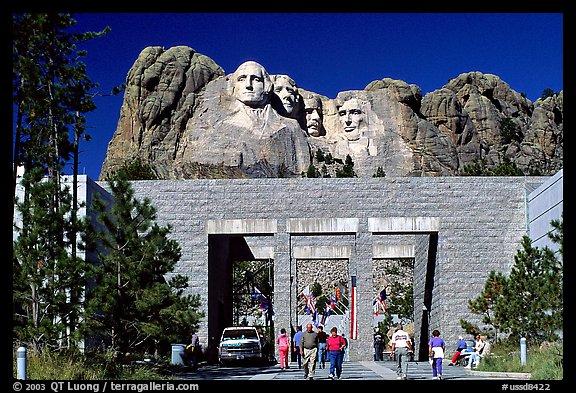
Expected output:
(296, 345)
(460, 346)
(436, 347)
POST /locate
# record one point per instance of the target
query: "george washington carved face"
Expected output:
(251, 84)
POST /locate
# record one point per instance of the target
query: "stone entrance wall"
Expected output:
(457, 228)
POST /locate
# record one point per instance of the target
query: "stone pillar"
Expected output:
(283, 287)
(361, 267)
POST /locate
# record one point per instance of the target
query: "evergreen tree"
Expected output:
(532, 303)
(507, 168)
(47, 278)
(347, 169)
(50, 96)
(485, 304)
(529, 302)
(509, 131)
(136, 303)
(379, 172)
(312, 172)
(400, 291)
(135, 170)
(547, 92)
(480, 168)
(51, 90)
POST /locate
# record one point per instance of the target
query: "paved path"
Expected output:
(351, 371)
(366, 370)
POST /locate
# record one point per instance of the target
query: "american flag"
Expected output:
(258, 295)
(309, 300)
(333, 301)
(382, 299)
(353, 321)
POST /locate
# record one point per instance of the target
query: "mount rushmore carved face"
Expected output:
(286, 89)
(251, 84)
(351, 116)
(313, 109)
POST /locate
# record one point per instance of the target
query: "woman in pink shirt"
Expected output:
(283, 342)
(335, 345)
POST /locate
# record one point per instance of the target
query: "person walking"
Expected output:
(401, 344)
(345, 354)
(192, 350)
(283, 342)
(378, 347)
(322, 336)
(335, 346)
(436, 348)
(309, 351)
(460, 346)
(296, 343)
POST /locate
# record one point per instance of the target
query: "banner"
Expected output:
(353, 321)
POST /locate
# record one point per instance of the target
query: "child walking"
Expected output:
(436, 347)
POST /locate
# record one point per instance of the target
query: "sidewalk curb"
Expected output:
(496, 374)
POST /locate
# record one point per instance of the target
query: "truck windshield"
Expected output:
(239, 334)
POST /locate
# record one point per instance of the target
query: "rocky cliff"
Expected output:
(186, 118)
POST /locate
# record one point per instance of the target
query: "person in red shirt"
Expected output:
(335, 345)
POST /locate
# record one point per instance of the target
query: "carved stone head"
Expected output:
(351, 115)
(251, 84)
(287, 91)
(313, 110)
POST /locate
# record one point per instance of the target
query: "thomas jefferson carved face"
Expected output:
(313, 109)
(286, 89)
(351, 116)
(251, 84)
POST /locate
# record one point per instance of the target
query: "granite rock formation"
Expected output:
(182, 115)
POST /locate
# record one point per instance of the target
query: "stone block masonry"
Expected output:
(457, 229)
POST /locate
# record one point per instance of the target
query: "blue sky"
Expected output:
(328, 53)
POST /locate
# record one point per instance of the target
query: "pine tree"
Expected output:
(379, 172)
(51, 90)
(532, 304)
(46, 276)
(312, 172)
(347, 169)
(50, 96)
(529, 301)
(137, 303)
(485, 303)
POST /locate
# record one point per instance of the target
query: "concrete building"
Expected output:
(457, 229)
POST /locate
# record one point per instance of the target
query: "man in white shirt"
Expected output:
(401, 344)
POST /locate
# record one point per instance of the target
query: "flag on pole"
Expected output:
(333, 301)
(310, 309)
(315, 318)
(258, 295)
(327, 312)
(353, 321)
(338, 293)
(382, 299)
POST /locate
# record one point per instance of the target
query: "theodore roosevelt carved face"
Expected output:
(251, 84)
(313, 109)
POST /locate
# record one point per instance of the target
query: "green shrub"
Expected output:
(542, 362)
(75, 366)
